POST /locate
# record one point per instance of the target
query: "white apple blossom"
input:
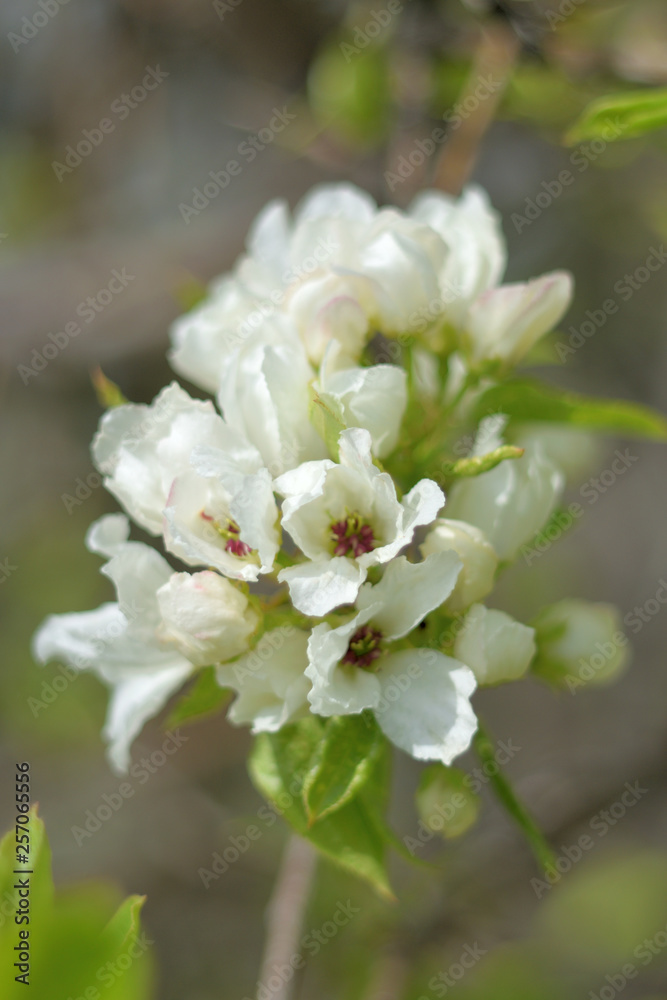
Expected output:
(177, 467)
(472, 232)
(265, 395)
(270, 681)
(141, 656)
(205, 617)
(495, 646)
(478, 556)
(346, 517)
(512, 502)
(372, 398)
(505, 322)
(420, 696)
(223, 514)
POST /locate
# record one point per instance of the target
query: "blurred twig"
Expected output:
(494, 60)
(284, 914)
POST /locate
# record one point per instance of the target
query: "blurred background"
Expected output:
(359, 84)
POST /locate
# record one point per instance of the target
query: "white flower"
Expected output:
(345, 518)
(504, 323)
(476, 553)
(141, 449)
(338, 272)
(420, 697)
(265, 394)
(223, 514)
(472, 232)
(177, 467)
(512, 502)
(270, 681)
(125, 643)
(494, 646)
(372, 398)
(205, 337)
(205, 617)
(582, 641)
(119, 641)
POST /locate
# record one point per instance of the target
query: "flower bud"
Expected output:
(205, 616)
(476, 553)
(579, 642)
(445, 803)
(494, 646)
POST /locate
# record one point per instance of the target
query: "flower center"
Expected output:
(364, 647)
(229, 531)
(352, 536)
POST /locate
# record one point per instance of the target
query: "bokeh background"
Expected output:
(229, 66)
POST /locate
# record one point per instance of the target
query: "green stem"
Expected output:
(506, 795)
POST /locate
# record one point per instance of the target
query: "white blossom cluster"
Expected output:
(309, 573)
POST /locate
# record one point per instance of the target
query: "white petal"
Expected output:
(108, 534)
(507, 321)
(478, 556)
(511, 503)
(270, 681)
(194, 539)
(409, 591)
(205, 617)
(135, 700)
(494, 646)
(143, 448)
(372, 398)
(339, 689)
(318, 587)
(336, 201)
(77, 638)
(424, 706)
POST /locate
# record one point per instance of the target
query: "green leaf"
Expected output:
(352, 836)
(326, 422)
(466, 467)
(204, 698)
(528, 399)
(621, 116)
(507, 797)
(76, 937)
(342, 764)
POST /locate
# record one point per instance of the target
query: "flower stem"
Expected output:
(285, 913)
(506, 795)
